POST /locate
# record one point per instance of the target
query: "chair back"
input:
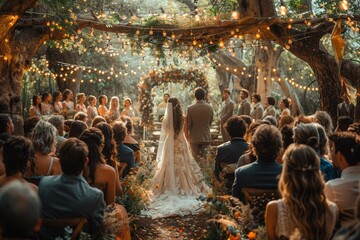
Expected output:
(258, 198)
(77, 224)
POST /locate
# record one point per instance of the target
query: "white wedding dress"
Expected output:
(178, 179)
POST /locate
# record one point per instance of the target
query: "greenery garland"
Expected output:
(189, 77)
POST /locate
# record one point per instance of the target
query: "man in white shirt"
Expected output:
(345, 152)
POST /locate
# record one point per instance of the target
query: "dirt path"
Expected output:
(187, 227)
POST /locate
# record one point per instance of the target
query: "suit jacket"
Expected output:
(344, 109)
(244, 108)
(126, 155)
(227, 110)
(259, 174)
(199, 118)
(229, 152)
(68, 197)
(269, 111)
(257, 111)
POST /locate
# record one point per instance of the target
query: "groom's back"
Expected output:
(199, 118)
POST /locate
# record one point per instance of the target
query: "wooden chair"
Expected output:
(258, 198)
(77, 224)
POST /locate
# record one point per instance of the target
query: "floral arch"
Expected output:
(157, 78)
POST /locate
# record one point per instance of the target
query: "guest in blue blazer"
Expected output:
(265, 171)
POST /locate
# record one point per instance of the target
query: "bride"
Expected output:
(178, 179)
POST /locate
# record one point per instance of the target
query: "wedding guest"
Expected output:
(303, 205)
(228, 153)
(198, 120)
(57, 104)
(44, 142)
(263, 173)
(81, 116)
(355, 128)
(162, 106)
(67, 125)
(345, 152)
(58, 122)
(91, 109)
(76, 129)
(343, 123)
(324, 119)
(308, 134)
(287, 134)
(80, 102)
(271, 120)
(17, 153)
(6, 130)
(129, 140)
(103, 176)
(102, 109)
(68, 104)
(345, 108)
(284, 105)
(302, 119)
(20, 209)
(128, 111)
(29, 125)
(286, 120)
(125, 154)
(114, 112)
(35, 109)
(226, 111)
(109, 151)
(46, 107)
(350, 231)
(69, 195)
(269, 107)
(257, 109)
(96, 120)
(244, 105)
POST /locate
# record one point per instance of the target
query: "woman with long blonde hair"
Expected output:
(303, 206)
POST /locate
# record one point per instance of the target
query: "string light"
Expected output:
(344, 5)
(283, 10)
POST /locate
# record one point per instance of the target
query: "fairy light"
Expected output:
(344, 5)
(283, 10)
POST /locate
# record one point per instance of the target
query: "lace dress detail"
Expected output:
(285, 226)
(178, 179)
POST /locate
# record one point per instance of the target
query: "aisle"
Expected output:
(187, 227)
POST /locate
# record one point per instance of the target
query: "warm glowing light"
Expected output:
(137, 32)
(283, 10)
(151, 32)
(221, 44)
(257, 36)
(235, 15)
(344, 5)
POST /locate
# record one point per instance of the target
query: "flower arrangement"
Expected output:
(154, 78)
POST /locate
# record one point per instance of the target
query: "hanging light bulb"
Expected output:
(221, 43)
(283, 10)
(235, 14)
(151, 32)
(344, 5)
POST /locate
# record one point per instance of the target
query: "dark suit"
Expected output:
(68, 196)
(229, 153)
(226, 112)
(259, 174)
(344, 109)
(199, 118)
(126, 155)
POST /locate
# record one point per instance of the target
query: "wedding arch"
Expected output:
(191, 77)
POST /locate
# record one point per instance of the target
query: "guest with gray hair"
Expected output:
(324, 119)
(58, 122)
(44, 142)
(308, 134)
(19, 211)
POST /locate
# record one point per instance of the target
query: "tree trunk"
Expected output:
(72, 80)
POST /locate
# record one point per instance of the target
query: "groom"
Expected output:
(199, 117)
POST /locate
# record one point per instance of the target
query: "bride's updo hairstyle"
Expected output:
(302, 188)
(177, 114)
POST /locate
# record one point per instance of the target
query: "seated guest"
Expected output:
(109, 151)
(125, 154)
(350, 231)
(81, 116)
(263, 173)
(287, 134)
(6, 129)
(100, 175)
(58, 122)
(129, 140)
(308, 134)
(343, 123)
(29, 125)
(96, 120)
(17, 154)
(67, 125)
(345, 152)
(286, 120)
(303, 205)
(229, 152)
(324, 119)
(19, 212)
(44, 142)
(69, 195)
(76, 129)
